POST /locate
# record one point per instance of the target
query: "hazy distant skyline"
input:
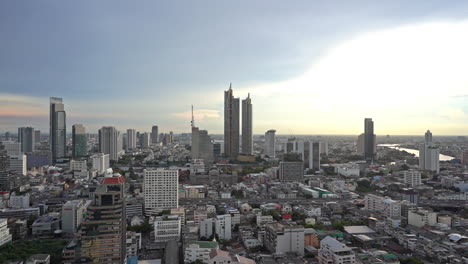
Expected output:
(311, 67)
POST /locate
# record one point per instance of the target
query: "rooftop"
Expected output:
(358, 230)
(206, 244)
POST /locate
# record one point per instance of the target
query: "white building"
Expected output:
(421, 218)
(133, 242)
(101, 163)
(131, 138)
(207, 227)
(199, 250)
(223, 226)
(282, 238)
(383, 205)
(72, 215)
(167, 228)
(347, 169)
(218, 256)
(78, 165)
(333, 252)
(5, 235)
(161, 189)
(429, 154)
(263, 219)
(12, 148)
(235, 216)
(270, 143)
(412, 177)
(19, 201)
(18, 164)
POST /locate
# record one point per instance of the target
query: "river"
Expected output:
(442, 157)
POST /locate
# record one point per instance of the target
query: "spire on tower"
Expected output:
(192, 123)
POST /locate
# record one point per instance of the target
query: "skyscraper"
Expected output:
(79, 141)
(145, 140)
(109, 142)
(161, 189)
(231, 124)
(4, 168)
(429, 154)
(154, 135)
(247, 136)
(369, 139)
(58, 131)
(37, 137)
(270, 143)
(131, 138)
(26, 138)
(103, 232)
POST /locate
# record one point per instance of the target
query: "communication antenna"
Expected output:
(192, 123)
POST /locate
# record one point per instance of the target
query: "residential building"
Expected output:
(12, 148)
(5, 235)
(283, 238)
(202, 146)
(145, 140)
(57, 128)
(26, 139)
(103, 232)
(207, 228)
(291, 171)
(223, 226)
(110, 142)
(429, 154)
(218, 256)
(270, 140)
(18, 164)
(247, 135)
(412, 178)
(100, 162)
(334, 252)
(46, 224)
(37, 137)
(167, 228)
(38, 259)
(199, 250)
(383, 205)
(131, 138)
(19, 201)
(420, 218)
(161, 190)
(79, 141)
(4, 169)
(231, 124)
(369, 139)
(133, 242)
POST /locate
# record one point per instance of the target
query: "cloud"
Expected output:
(200, 114)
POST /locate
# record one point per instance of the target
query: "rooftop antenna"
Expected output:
(193, 119)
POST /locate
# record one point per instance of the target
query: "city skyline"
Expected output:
(321, 60)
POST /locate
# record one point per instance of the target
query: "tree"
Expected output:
(412, 260)
(364, 186)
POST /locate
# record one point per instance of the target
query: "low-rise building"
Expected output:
(5, 235)
(284, 238)
(199, 250)
(167, 228)
(333, 252)
(46, 224)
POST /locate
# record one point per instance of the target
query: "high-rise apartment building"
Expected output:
(154, 135)
(145, 140)
(247, 135)
(37, 137)
(270, 143)
(291, 171)
(79, 141)
(223, 226)
(429, 154)
(369, 139)
(231, 124)
(131, 138)
(103, 232)
(412, 177)
(109, 142)
(57, 128)
(101, 162)
(161, 190)
(26, 138)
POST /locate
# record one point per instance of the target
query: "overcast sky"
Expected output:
(311, 67)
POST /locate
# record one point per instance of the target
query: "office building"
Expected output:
(79, 141)
(334, 252)
(412, 178)
(26, 139)
(247, 134)
(369, 139)
(109, 142)
(131, 139)
(291, 171)
(270, 140)
(57, 128)
(18, 164)
(154, 135)
(231, 124)
(161, 190)
(284, 238)
(145, 140)
(5, 235)
(12, 148)
(429, 154)
(167, 228)
(100, 163)
(202, 146)
(4, 169)
(37, 137)
(73, 213)
(103, 231)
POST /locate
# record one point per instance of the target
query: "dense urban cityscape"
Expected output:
(233, 132)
